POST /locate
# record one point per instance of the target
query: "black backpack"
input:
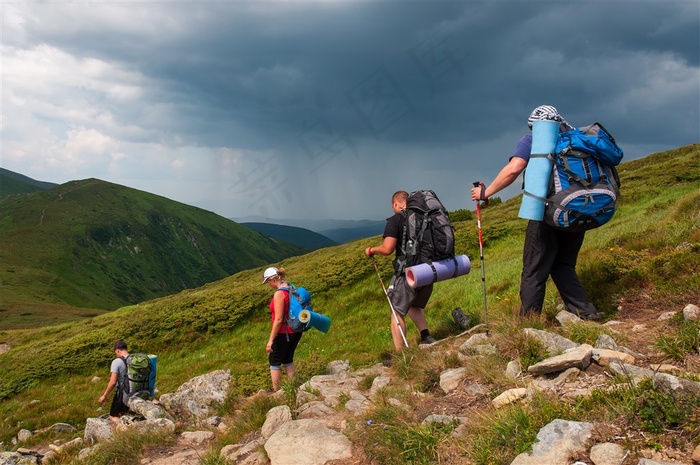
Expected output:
(428, 234)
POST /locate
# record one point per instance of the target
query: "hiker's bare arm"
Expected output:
(505, 178)
(278, 303)
(386, 248)
(110, 385)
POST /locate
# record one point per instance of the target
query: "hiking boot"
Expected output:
(591, 317)
(461, 319)
(429, 340)
(387, 363)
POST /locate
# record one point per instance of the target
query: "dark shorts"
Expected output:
(403, 296)
(283, 350)
(118, 406)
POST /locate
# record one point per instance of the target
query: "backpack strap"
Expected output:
(290, 290)
(401, 262)
(123, 383)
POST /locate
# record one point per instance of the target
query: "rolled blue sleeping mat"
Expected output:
(152, 378)
(315, 320)
(544, 142)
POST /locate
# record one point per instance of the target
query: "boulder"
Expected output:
(307, 441)
(198, 399)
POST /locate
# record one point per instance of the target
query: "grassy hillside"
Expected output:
(99, 245)
(648, 254)
(293, 235)
(15, 183)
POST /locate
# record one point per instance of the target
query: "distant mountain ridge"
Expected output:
(95, 244)
(340, 231)
(298, 236)
(15, 183)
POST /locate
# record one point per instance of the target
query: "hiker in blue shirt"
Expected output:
(547, 251)
(118, 373)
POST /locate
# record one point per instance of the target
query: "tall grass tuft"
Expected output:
(681, 342)
(495, 438)
(125, 449)
(389, 436)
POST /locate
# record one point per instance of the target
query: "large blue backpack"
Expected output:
(584, 185)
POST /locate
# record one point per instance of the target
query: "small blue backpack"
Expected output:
(584, 185)
(299, 300)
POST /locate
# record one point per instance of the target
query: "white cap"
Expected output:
(269, 273)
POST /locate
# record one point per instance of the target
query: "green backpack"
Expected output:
(138, 375)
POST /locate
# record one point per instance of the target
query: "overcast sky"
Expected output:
(322, 109)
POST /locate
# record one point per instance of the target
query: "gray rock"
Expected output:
(665, 316)
(435, 418)
(24, 435)
(148, 409)
(339, 367)
(513, 369)
(380, 382)
(607, 454)
(675, 386)
(197, 438)
(566, 318)
(509, 396)
(239, 453)
(605, 357)
(331, 387)
(691, 312)
(654, 462)
(633, 373)
(605, 341)
(290, 444)
(579, 357)
(452, 378)
(62, 428)
(199, 397)
(15, 458)
(554, 343)
(476, 339)
(357, 403)
(556, 443)
(98, 429)
(275, 417)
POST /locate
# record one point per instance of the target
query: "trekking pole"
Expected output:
(481, 250)
(393, 312)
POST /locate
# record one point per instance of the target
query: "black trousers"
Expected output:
(118, 406)
(552, 252)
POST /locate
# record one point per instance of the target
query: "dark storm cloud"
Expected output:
(345, 89)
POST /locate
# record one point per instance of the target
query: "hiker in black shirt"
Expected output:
(404, 299)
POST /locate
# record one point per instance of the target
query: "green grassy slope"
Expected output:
(99, 245)
(648, 251)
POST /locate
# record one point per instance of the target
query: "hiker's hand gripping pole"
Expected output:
(483, 198)
(393, 311)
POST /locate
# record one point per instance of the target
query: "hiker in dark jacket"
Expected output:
(547, 251)
(404, 299)
(283, 340)
(117, 379)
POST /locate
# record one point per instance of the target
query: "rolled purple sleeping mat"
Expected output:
(428, 273)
